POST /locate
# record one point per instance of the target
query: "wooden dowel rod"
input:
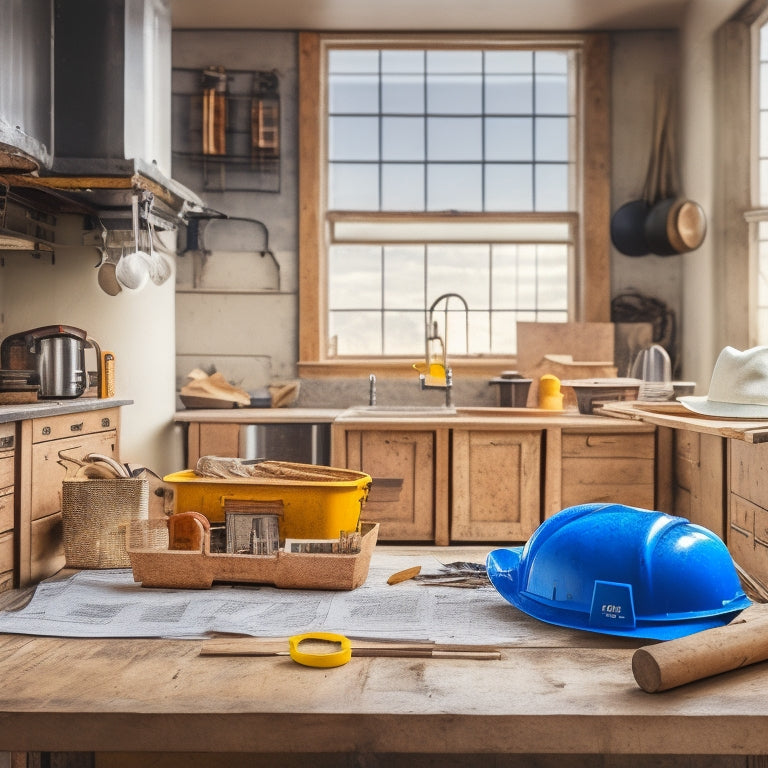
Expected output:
(704, 654)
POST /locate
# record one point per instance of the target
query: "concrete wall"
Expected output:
(251, 336)
(228, 314)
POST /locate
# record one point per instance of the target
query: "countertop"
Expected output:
(257, 415)
(678, 416)
(45, 408)
(573, 694)
(405, 415)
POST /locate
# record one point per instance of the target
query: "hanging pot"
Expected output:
(661, 222)
(628, 222)
(628, 228)
(674, 226)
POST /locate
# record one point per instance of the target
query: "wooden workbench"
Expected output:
(563, 693)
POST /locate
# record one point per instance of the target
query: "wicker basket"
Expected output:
(95, 517)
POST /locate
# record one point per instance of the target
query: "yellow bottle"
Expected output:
(550, 396)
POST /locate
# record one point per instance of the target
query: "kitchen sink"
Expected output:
(399, 411)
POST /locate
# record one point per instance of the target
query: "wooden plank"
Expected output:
(665, 483)
(709, 505)
(24, 504)
(553, 472)
(593, 293)
(312, 325)
(442, 484)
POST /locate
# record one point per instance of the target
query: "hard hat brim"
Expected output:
(502, 566)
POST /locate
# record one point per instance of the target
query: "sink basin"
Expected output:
(399, 411)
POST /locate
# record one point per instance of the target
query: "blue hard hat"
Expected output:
(621, 570)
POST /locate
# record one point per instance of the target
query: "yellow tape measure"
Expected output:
(340, 649)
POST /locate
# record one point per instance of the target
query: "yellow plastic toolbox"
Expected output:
(318, 508)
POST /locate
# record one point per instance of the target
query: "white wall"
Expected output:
(703, 307)
(139, 328)
(638, 60)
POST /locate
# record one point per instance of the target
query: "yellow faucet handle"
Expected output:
(434, 373)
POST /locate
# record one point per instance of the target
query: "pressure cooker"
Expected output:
(55, 353)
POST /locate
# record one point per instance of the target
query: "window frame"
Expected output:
(737, 61)
(591, 284)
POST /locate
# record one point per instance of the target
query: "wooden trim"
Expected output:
(24, 501)
(311, 249)
(735, 322)
(593, 303)
(665, 463)
(442, 498)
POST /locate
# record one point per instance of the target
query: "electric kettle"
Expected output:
(56, 353)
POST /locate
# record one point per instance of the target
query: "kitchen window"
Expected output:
(476, 166)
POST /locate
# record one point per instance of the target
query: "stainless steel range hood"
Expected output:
(110, 97)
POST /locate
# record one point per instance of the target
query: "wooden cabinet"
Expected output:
(408, 467)
(46, 439)
(747, 534)
(218, 439)
(594, 464)
(8, 537)
(495, 478)
(692, 482)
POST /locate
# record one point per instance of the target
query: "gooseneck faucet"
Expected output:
(437, 373)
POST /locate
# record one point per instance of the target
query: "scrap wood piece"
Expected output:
(263, 469)
(405, 575)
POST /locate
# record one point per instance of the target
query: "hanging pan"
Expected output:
(674, 224)
(661, 222)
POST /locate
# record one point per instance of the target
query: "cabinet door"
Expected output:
(614, 466)
(7, 516)
(699, 479)
(496, 485)
(402, 467)
(41, 546)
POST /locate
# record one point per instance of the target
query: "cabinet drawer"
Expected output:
(6, 512)
(7, 437)
(741, 536)
(608, 445)
(748, 537)
(6, 472)
(48, 473)
(6, 552)
(72, 424)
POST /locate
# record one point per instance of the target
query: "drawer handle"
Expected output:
(105, 422)
(6, 442)
(76, 427)
(46, 430)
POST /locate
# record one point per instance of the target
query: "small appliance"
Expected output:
(56, 353)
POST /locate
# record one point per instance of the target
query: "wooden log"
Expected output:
(711, 652)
